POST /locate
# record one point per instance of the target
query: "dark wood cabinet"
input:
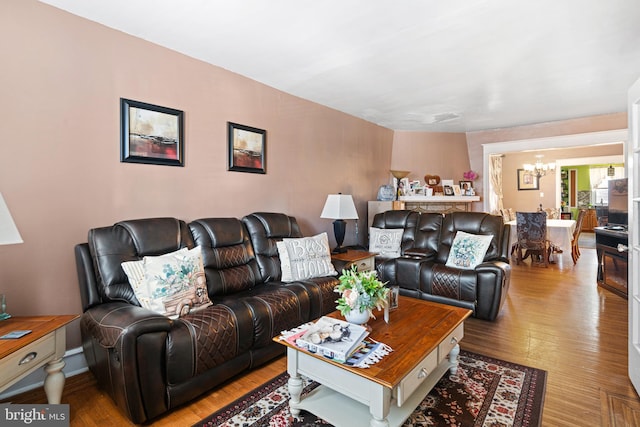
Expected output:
(611, 247)
(590, 220)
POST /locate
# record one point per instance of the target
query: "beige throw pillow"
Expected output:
(305, 258)
(385, 241)
(173, 284)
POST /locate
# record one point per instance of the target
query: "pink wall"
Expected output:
(62, 78)
(432, 153)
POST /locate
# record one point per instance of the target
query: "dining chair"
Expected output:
(552, 213)
(505, 215)
(575, 249)
(532, 239)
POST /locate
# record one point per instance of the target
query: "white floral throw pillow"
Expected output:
(468, 250)
(173, 284)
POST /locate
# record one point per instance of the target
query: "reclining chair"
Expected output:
(422, 272)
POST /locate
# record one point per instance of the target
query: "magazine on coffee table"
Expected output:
(332, 338)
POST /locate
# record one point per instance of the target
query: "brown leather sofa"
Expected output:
(420, 271)
(149, 363)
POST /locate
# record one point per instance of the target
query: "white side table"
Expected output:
(45, 345)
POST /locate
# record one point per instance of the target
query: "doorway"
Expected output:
(564, 141)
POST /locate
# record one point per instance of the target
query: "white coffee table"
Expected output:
(424, 337)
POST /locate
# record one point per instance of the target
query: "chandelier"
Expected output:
(539, 169)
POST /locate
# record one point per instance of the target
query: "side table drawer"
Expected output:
(39, 352)
(449, 342)
(416, 377)
(366, 264)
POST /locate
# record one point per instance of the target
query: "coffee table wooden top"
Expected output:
(415, 329)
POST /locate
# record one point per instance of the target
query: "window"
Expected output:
(600, 183)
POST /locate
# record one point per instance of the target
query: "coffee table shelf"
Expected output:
(387, 392)
(340, 409)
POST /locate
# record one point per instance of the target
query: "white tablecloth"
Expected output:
(559, 232)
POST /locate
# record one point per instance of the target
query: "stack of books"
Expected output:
(332, 338)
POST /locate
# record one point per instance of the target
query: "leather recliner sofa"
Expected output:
(149, 363)
(421, 270)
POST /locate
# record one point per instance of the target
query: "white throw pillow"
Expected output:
(305, 258)
(135, 273)
(173, 284)
(385, 241)
(468, 250)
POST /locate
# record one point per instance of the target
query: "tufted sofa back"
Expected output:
(265, 230)
(129, 241)
(229, 261)
(428, 231)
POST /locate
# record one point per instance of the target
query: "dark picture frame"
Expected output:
(393, 297)
(151, 134)
(527, 180)
(466, 185)
(246, 149)
(448, 190)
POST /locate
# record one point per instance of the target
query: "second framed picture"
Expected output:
(246, 148)
(527, 180)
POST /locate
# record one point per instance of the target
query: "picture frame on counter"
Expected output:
(465, 185)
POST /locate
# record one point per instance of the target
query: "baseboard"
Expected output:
(74, 364)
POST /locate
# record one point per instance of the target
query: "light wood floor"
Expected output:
(555, 319)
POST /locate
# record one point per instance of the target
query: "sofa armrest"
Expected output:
(425, 253)
(123, 345)
(493, 284)
(404, 271)
(111, 322)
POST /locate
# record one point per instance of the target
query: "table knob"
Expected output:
(423, 373)
(28, 358)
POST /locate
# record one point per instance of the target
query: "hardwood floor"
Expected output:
(555, 319)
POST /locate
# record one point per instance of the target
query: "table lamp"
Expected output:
(8, 235)
(339, 207)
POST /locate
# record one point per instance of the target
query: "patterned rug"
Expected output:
(484, 392)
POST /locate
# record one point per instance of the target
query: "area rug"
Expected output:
(484, 392)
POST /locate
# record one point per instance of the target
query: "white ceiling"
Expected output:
(429, 65)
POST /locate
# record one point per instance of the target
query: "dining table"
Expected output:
(559, 232)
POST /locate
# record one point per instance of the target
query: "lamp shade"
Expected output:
(339, 206)
(8, 231)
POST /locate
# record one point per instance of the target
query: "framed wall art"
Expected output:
(151, 134)
(246, 148)
(527, 180)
